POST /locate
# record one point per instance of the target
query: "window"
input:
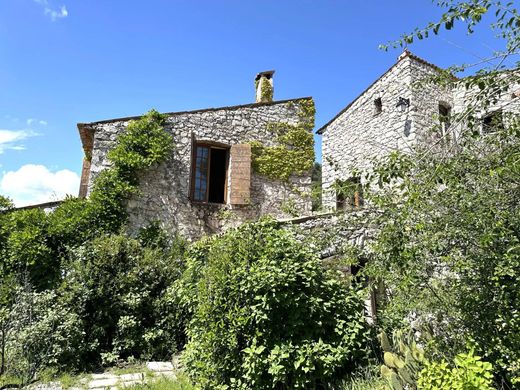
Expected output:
(444, 116)
(492, 122)
(209, 173)
(349, 194)
(378, 106)
(444, 122)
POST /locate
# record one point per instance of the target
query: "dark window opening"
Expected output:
(378, 105)
(444, 116)
(349, 194)
(209, 174)
(492, 123)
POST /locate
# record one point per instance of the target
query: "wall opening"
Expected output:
(378, 106)
(492, 122)
(209, 174)
(349, 194)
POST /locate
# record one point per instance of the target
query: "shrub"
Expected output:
(118, 288)
(43, 332)
(469, 373)
(267, 314)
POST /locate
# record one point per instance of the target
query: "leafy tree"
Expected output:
(449, 245)
(267, 314)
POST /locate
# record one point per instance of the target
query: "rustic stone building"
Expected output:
(399, 111)
(208, 182)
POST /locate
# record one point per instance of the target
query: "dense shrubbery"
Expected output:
(116, 286)
(35, 249)
(267, 314)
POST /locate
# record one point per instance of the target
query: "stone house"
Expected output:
(397, 112)
(208, 183)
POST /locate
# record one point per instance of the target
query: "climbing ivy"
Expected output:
(294, 152)
(45, 238)
(266, 91)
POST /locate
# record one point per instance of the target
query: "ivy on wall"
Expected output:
(294, 152)
(32, 242)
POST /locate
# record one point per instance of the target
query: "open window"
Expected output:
(492, 122)
(209, 173)
(349, 194)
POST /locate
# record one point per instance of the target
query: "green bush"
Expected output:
(118, 288)
(267, 314)
(42, 332)
(469, 373)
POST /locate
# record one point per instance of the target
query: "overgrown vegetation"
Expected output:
(448, 249)
(267, 314)
(294, 153)
(255, 308)
(43, 258)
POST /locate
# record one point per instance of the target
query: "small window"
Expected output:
(378, 106)
(444, 115)
(492, 122)
(209, 174)
(349, 194)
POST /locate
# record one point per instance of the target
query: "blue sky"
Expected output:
(69, 61)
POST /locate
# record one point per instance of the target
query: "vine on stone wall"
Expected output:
(267, 90)
(294, 152)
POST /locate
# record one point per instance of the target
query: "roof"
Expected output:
(250, 105)
(45, 205)
(406, 53)
(86, 129)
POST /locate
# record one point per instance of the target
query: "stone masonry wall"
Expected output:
(164, 190)
(359, 134)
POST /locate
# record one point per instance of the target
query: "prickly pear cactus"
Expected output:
(403, 361)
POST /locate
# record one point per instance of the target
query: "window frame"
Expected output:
(193, 170)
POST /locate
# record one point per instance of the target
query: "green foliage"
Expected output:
(25, 248)
(469, 373)
(118, 288)
(32, 242)
(448, 248)
(43, 332)
(181, 383)
(267, 90)
(316, 187)
(403, 360)
(294, 153)
(34, 247)
(267, 314)
(143, 144)
(469, 13)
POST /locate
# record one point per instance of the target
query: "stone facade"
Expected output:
(391, 114)
(165, 189)
(398, 112)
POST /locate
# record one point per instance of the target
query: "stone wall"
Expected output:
(164, 190)
(360, 134)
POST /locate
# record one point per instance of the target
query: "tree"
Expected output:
(449, 245)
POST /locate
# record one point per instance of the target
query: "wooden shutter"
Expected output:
(240, 174)
(85, 175)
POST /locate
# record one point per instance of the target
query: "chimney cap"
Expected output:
(268, 74)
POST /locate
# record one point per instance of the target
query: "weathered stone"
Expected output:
(159, 366)
(364, 132)
(164, 189)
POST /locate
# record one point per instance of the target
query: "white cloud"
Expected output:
(32, 121)
(32, 184)
(10, 139)
(52, 12)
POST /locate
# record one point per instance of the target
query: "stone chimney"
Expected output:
(264, 86)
